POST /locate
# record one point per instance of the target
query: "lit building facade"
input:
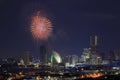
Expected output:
(74, 60)
(94, 44)
(85, 56)
(95, 58)
(71, 60)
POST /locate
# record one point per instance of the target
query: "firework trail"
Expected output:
(41, 27)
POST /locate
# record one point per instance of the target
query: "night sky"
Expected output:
(73, 22)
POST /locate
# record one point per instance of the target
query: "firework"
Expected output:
(41, 27)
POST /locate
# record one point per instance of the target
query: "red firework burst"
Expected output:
(41, 27)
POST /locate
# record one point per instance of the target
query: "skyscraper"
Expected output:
(85, 56)
(94, 44)
(74, 59)
(95, 57)
(43, 54)
(27, 58)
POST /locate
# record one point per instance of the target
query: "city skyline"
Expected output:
(73, 23)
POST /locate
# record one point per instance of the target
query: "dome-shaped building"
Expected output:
(56, 57)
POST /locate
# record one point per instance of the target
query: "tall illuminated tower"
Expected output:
(95, 58)
(94, 44)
